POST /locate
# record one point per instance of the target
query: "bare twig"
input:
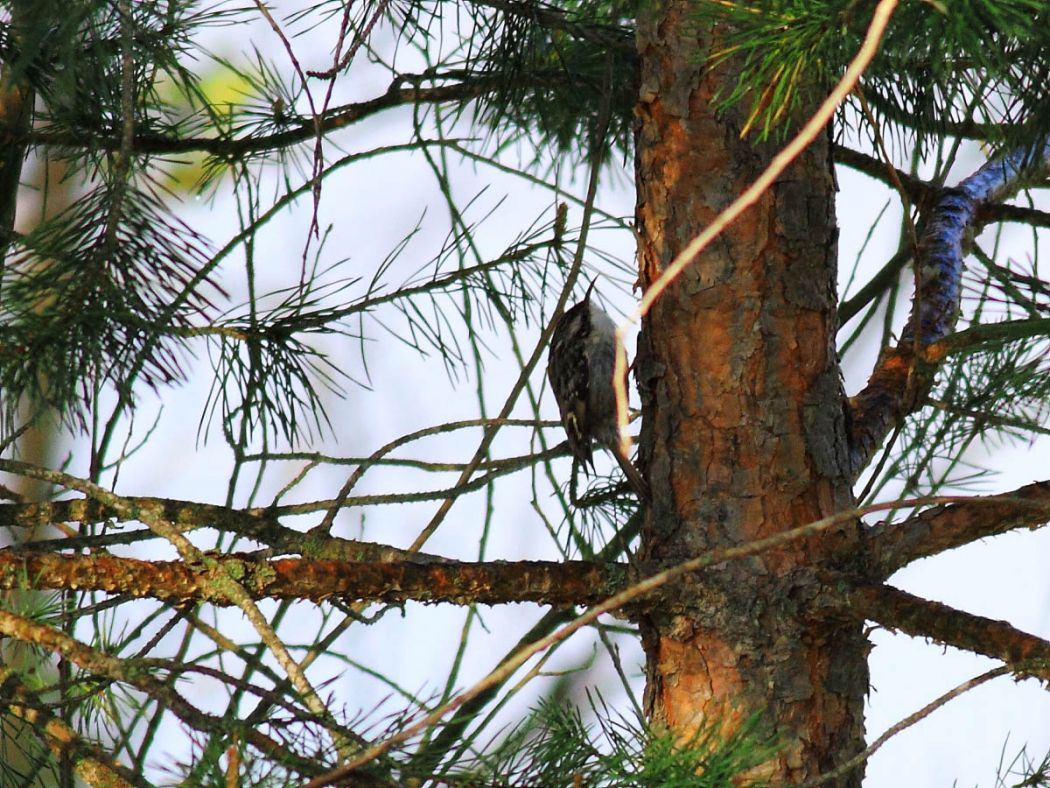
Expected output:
(907, 722)
(225, 580)
(541, 345)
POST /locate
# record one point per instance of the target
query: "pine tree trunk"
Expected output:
(744, 433)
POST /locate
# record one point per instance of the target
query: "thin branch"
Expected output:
(998, 421)
(904, 374)
(343, 63)
(891, 172)
(324, 319)
(126, 672)
(378, 457)
(427, 757)
(258, 524)
(541, 345)
(225, 580)
(907, 722)
(895, 545)
(920, 191)
(304, 129)
(897, 610)
(90, 762)
(876, 286)
(1012, 213)
(980, 335)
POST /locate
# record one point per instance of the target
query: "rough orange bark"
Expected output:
(744, 431)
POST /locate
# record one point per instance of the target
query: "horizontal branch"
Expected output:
(917, 189)
(302, 129)
(842, 770)
(899, 610)
(493, 582)
(188, 514)
(260, 524)
(894, 545)
(419, 579)
(920, 191)
(254, 524)
(404, 90)
(980, 334)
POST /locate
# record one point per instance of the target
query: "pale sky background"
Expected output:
(370, 207)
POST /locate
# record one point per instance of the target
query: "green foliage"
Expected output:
(94, 296)
(91, 296)
(1023, 771)
(72, 53)
(555, 746)
(560, 78)
(24, 758)
(562, 86)
(976, 67)
(267, 377)
(998, 391)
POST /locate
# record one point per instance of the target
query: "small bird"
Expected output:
(580, 368)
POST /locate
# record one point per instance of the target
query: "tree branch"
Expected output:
(490, 582)
(980, 334)
(393, 578)
(841, 771)
(875, 287)
(258, 524)
(90, 762)
(126, 672)
(904, 374)
(894, 545)
(898, 610)
(920, 191)
(300, 129)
